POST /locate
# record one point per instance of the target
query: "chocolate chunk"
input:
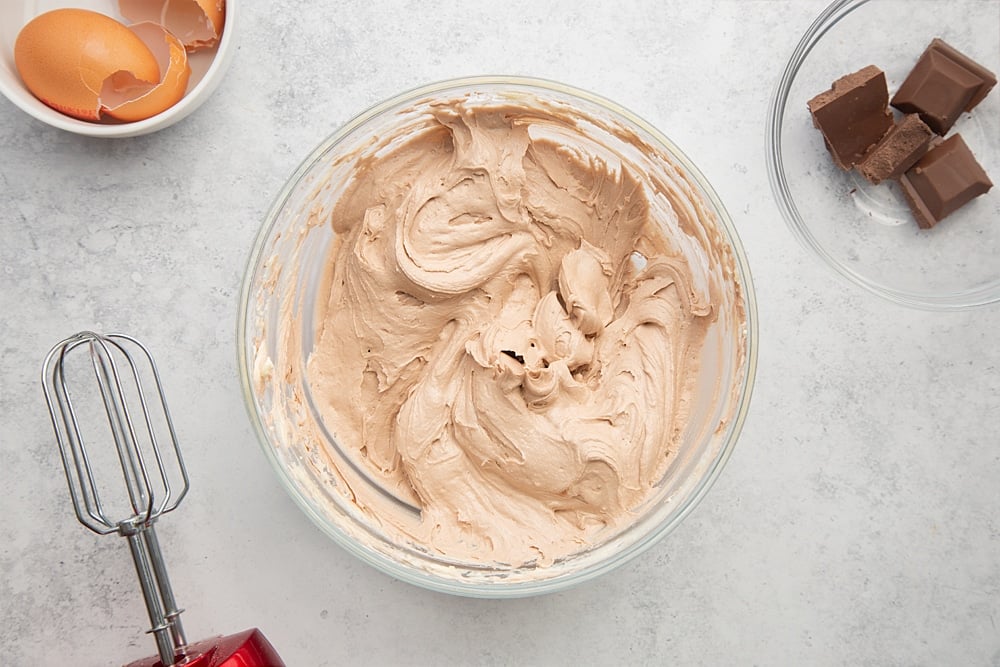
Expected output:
(853, 115)
(899, 149)
(946, 178)
(942, 85)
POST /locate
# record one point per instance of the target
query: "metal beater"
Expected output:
(150, 468)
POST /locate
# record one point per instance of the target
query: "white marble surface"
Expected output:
(857, 522)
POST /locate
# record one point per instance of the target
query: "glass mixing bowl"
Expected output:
(866, 232)
(284, 282)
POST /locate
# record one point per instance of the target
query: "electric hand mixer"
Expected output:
(151, 471)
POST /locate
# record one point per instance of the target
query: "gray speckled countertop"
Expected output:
(857, 522)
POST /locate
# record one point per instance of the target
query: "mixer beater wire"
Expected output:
(151, 478)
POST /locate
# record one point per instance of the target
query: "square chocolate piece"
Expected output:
(904, 144)
(944, 180)
(853, 115)
(942, 85)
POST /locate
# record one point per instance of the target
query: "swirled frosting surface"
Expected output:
(511, 329)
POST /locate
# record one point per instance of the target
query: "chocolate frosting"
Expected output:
(511, 328)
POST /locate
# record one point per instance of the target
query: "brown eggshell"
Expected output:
(172, 59)
(197, 23)
(65, 56)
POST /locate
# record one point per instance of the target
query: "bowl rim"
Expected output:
(778, 179)
(518, 589)
(194, 98)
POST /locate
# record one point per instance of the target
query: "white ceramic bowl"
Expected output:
(207, 69)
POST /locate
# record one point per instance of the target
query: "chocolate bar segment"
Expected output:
(943, 84)
(945, 179)
(853, 115)
(898, 150)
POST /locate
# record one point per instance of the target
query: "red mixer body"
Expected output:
(244, 649)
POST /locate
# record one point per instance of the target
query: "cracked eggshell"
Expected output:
(86, 64)
(173, 62)
(197, 23)
(66, 56)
